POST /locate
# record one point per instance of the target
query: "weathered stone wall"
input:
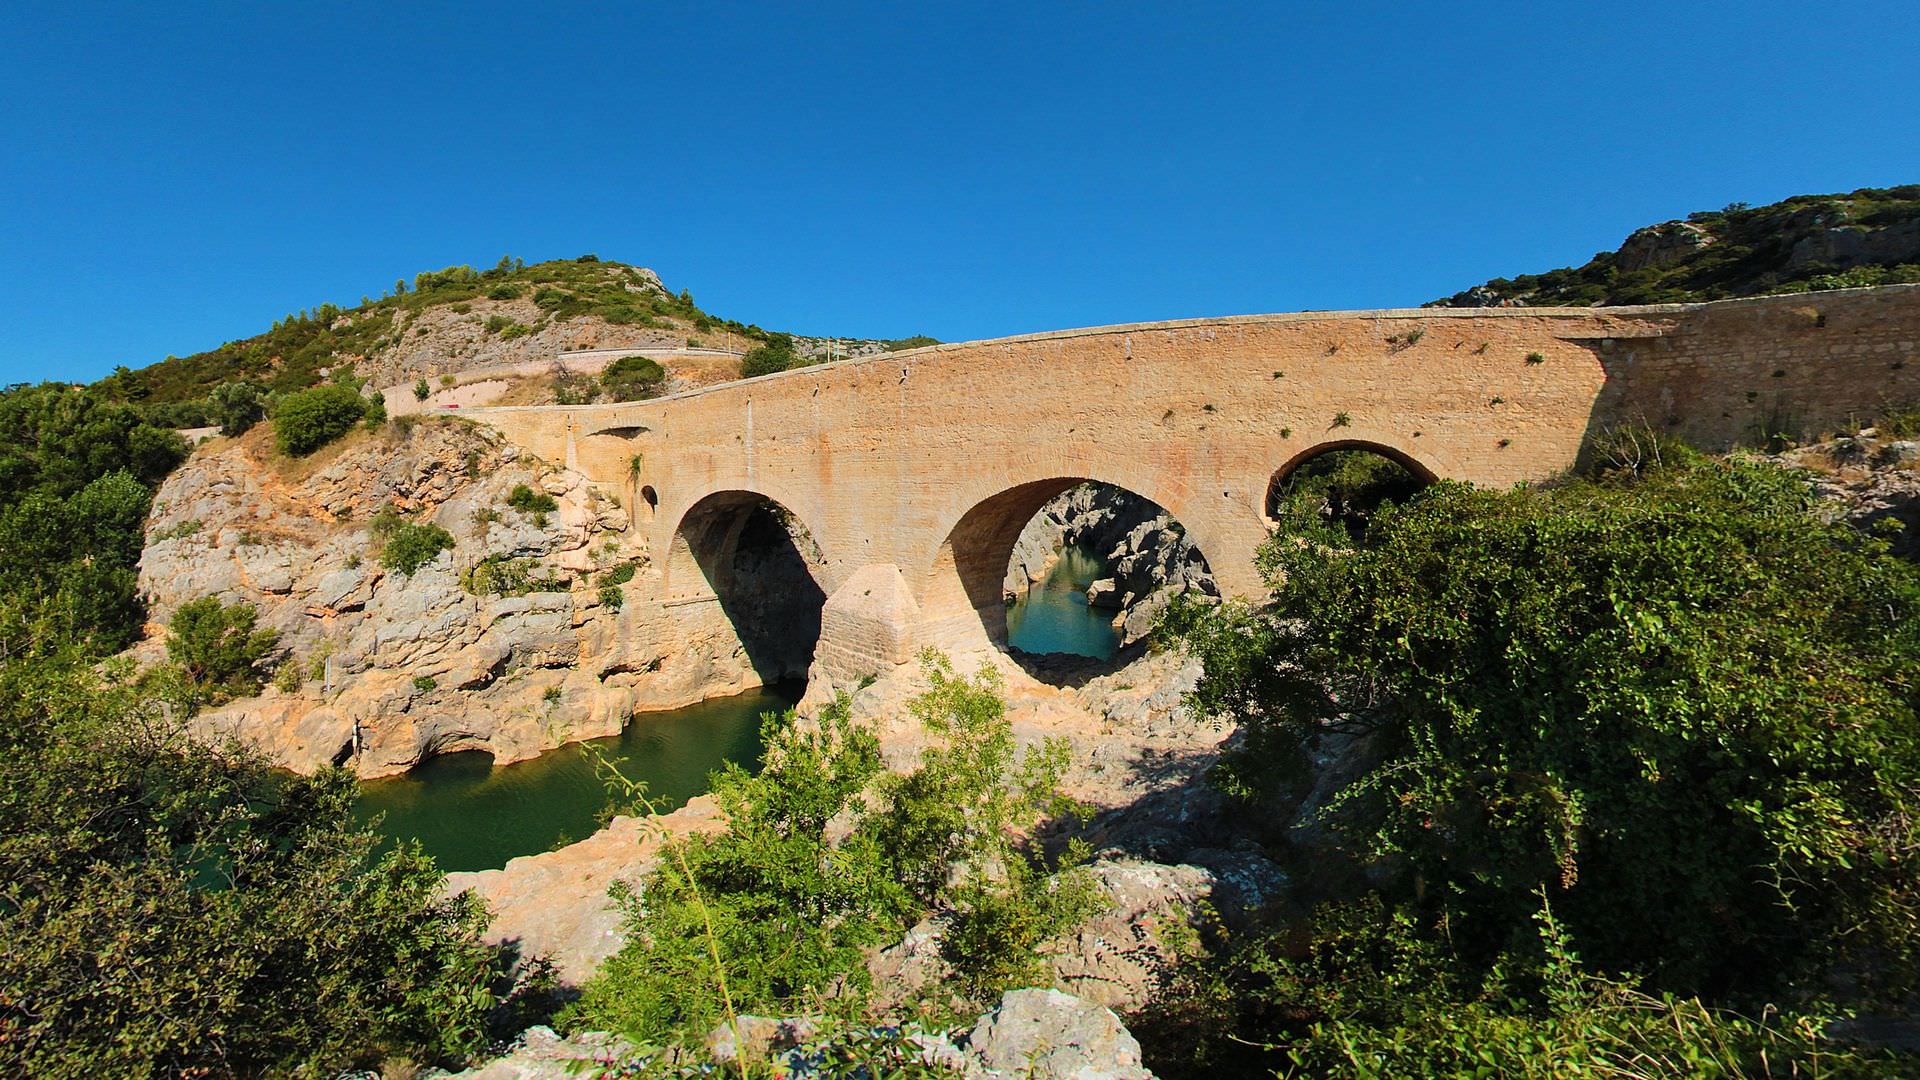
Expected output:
(1740, 371)
(930, 461)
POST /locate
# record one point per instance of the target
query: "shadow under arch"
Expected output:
(754, 557)
(964, 604)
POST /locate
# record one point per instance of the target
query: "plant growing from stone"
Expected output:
(410, 546)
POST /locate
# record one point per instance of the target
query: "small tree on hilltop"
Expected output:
(237, 406)
(767, 359)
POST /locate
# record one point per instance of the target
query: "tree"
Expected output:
(237, 406)
(632, 378)
(1676, 705)
(421, 391)
(217, 646)
(177, 909)
(306, 420)
(767, 359)
(824, 858)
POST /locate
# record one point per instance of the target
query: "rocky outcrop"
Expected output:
(1869, 480)
(1048, 1033)
(1030, 1035)
(1147, 553)
(391, 667)
(555, 904)
(1663, 245)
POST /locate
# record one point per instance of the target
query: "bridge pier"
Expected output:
(867, 627)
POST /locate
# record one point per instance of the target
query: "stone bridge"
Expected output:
(914, 472)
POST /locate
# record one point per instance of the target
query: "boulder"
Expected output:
(1045, 1033)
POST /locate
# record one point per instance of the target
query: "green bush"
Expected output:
(632, 378)
(612, 597)
(528, 501)
(782, 908)
(424, 683)
(1674, 700)
(217, 645)
(421, 391)
(1367, 990)
(306, 420)
(177, 909)
(767, 359)
(237, 406)
(411, 546)
(498, 575)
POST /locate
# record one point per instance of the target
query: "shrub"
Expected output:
(1673, 700)
(619, 575)
(237, 406)
(217, 646)
(824, 858)
(1366, 990)
(767, 359)
(411, 546)
(498, 575)
(421, 391)
(424, 683)
(528, 501)
(306, 420)
(178, 909)
(612, 597)
(632, 378)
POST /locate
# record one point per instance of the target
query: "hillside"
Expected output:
(458, 319)
(1802, 244)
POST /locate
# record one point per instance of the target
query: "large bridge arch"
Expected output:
(958, 581)
(756, 560)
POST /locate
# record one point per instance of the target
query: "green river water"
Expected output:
(1053, 615)
(470, 815)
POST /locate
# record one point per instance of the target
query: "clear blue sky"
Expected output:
(172, 176)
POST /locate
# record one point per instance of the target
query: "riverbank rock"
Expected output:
(1051, 1034)
(555, 904)
(380, 669)
(1029, 1035)
(1870, 481)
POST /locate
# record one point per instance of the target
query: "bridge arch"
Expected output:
(749, 554)
(963, 596)
(1350, 476)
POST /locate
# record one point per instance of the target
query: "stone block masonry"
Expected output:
(926, 463)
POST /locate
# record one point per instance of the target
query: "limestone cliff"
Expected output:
(393, 668)
(1148, 555)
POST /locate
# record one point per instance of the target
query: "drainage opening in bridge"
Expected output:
(1341, 485)
(1067, 575)
(754, 558)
